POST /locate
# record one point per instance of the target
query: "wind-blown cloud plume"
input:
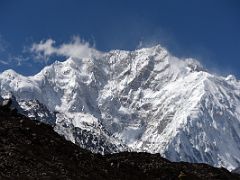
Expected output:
(76, 48)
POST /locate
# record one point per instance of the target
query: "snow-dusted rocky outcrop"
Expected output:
(142, 100)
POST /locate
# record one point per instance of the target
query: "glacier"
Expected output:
(143, 100)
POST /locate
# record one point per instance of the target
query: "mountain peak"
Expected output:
(142, 100)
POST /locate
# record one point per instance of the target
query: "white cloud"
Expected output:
(46, 48)
(76, 48)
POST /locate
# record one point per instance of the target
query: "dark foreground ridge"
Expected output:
(32, 150)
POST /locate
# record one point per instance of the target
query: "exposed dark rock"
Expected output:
(1, 100)
(6, 103)
(10, 105)
(32, 150)
(237, 170)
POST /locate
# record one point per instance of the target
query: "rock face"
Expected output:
(32, 150)
(144, 100)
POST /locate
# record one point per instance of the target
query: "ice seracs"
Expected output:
(142, 100)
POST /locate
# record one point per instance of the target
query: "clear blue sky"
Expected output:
(208, 30)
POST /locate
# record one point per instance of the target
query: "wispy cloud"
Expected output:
(76, 48)
(3, 44)
(3, 48)
(19, 60)
(13, 60)
(4, 62)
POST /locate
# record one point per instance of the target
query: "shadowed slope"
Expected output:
(30, 149)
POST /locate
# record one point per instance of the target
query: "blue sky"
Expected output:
(208, 30)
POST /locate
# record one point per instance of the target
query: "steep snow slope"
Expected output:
(143, 100)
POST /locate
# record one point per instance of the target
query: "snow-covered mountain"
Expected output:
(142, 100)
